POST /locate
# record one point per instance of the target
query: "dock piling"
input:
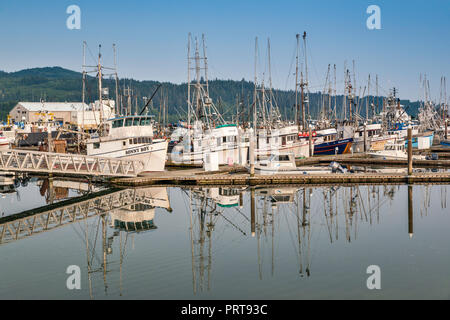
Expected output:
(365, 137)
(252, 153)
(409, 151)
(446, 129)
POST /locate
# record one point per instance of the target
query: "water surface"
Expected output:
(205, 243)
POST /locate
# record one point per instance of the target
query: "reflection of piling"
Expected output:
(409, 151)
(410, 212)
(253, 215)
(241, 199)
(51, 190)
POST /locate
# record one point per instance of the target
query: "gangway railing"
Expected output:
(65, 163)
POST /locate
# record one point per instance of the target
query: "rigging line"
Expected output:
(290, 68)
(92, 56)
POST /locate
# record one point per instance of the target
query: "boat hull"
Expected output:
(329, 148)
(152, 155)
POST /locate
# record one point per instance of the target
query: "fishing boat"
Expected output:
(284, 163)
(394, 151)
(285, 139)
(131, 138)
(206, 131)
(274, 135)
(326, 142)
(375, 138)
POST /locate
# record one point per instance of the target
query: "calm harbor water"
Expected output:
(208, 243)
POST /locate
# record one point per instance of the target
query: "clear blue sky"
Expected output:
(151, 38)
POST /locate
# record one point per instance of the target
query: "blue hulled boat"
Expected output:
(327, 143)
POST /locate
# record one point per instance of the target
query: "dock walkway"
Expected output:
(175, 178)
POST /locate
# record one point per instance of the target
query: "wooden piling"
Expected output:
(410, 155)
(365, 137)
(446, 129)
(310, 143)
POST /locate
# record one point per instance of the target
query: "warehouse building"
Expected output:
(66, 113)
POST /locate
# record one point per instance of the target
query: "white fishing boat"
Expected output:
(206, 131)
(284, 139)
(131, 138)
(284, 163)
(223, 140)
(393, 151)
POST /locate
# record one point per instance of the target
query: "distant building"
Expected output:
(64, 112)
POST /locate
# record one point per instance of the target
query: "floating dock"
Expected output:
(190, 177)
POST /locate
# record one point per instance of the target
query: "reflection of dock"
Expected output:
(31, 222)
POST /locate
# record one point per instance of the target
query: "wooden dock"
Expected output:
(239, 176)
(174, 178)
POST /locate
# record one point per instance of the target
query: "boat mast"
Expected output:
(117, 107)
(303, 84)
(344, 96)
(270, 84)
(84, 83)
(255, 91)
(297, 106)
(189, 88)
(335, 96)
(206, 64)
(367, 100)
(99, 70)
(378, 107)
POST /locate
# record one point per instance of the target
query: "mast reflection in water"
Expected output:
(223, 242)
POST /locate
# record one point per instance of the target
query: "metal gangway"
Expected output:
(25, 161)
(32, 222)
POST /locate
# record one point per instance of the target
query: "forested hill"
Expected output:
(59, 84)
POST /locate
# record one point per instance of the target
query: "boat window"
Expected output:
(117, 123)
(283, 158)
(96, 145)
(136, 121)
(145, 121)
(131, 141)
(128, 122)
(135, 141)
